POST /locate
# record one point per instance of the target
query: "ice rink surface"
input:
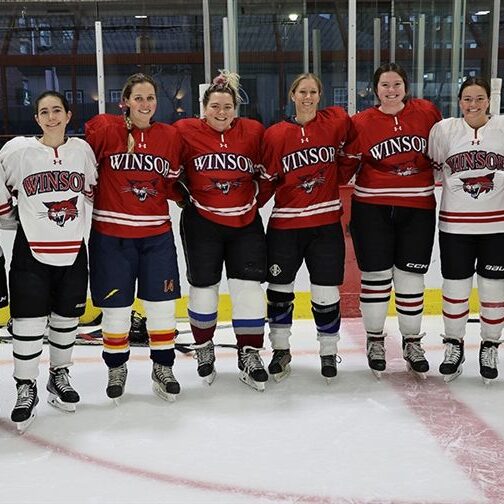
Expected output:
(358, 440)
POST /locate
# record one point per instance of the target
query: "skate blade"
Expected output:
(451, 377)
(417, 374)
(245, 378)
(278, 377)
(330, 379)
(163, 394)
(377, 374)
(22, 427)
(57, 403)
(210, 378)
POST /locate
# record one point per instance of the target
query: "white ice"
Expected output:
(357, 440)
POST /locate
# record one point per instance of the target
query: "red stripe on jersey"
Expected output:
(56, 251)
(55, 244)
(475, 221)
(471, 214)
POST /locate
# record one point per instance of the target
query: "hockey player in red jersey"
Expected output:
(469, 153)
(221, 225)
(51, 177)
(393, 213)
(301, 158)
(131, 236)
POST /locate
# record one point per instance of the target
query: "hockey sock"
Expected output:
(456, 306)
(491, 296)
(202, 310)
(161, 328)
(409, 301)
(374, 299)
(27, 341)
(115, 331)
(249, 312)
(62, 332)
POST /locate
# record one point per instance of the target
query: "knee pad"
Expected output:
(30, 326)
(116, 320)
(375, 276)
(457, 289)
(248, 299)
(204, 299)
(325, 295)
(408, 283)
(59, 322)
(282, 288)
(490, 289)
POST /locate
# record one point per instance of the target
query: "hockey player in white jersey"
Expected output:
(51, 177)
(469, 153)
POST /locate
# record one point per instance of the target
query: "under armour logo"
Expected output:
(305, 139)
(475, 142)
(57, 161)
(275, 270)
(223, 146)
(397, 128)
(142, 145)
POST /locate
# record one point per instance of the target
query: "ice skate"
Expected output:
(279, 367)
(376, 354)
(25, 411)
(251, 366)
(116, 382)
(206, 357)
(61, 394)
(414, 355)
(488, 359)
(451, 367)
(164, 383)
(328, 367)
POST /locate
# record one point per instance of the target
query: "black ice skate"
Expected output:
(116, 382)
(414, 355)
(489, 358)
(205, 354)
(164, 383)
(328, 366)
(24, 411)
(251, 366)
(454, 357)
(279, 366)
(61, 394)
(375, 347)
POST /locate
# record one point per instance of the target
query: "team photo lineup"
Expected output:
(220, 169)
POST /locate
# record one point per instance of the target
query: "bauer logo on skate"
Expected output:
(54, 181)
(397, 145)
(475, 160)
(61, 212)
(140, 162)
(307, 157)
(224, 161)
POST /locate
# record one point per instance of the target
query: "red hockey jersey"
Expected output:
(133, 188)
(222, 169)
(302, 163)
(392, 149)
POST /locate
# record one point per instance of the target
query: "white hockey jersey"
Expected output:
(51, 186)
(471, 167)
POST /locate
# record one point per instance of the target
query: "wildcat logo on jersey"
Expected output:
(142, 188)
(478, 185)
(223, 185)
(310, 182)
(61, 212)
(405, 171)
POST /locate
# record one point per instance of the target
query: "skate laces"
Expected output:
(376, 350)
(205, 353)
(26, 394)
(414, 351)
(61, 382)
(489, 356)
(117, 376)
(251, 359)
(453, 352)
(164, 374)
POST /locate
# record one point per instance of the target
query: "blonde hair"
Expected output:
(303, 76)
(225, 82)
